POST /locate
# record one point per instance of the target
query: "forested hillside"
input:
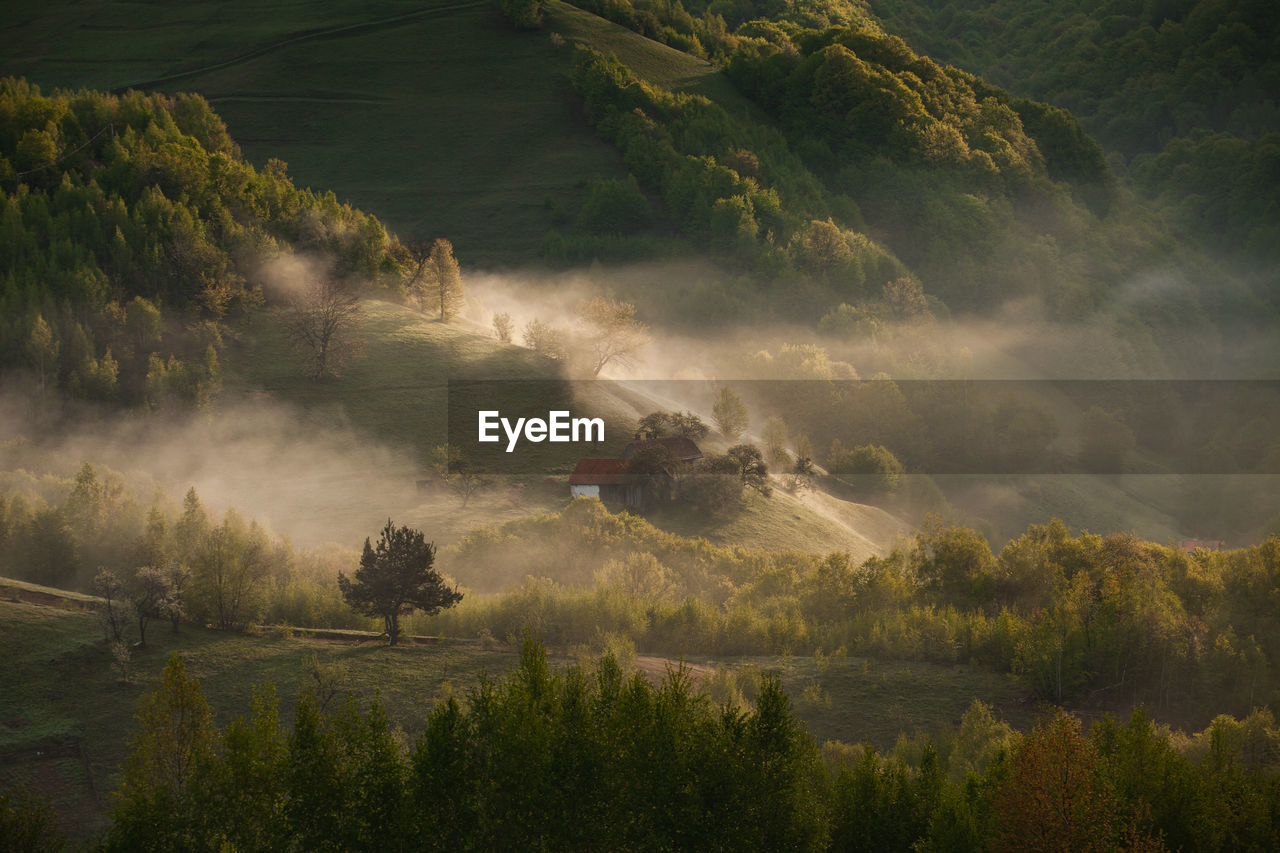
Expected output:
(1182, 93)
(130, 231)
(832, 273)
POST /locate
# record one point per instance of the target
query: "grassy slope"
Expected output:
(397, 394)
(783, 521)
(651, 61)
(439, 119)
(65, 718)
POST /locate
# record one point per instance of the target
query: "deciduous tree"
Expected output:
(729, 414)
(154, 808)
(152, 591)
(612, 333)
(445, 279)
(110, 591)
(776, 439)
(754, 471)
(455, 471)
(322, 321)
(502, 327)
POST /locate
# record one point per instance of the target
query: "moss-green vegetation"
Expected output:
(65, 693)
(1058, 610)
(398, 391)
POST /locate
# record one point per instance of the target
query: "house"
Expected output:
(608, 480)
(605, 479)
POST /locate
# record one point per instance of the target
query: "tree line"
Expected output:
(592, 757)
(1073, 616)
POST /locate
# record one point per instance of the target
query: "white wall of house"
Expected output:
(584, 491)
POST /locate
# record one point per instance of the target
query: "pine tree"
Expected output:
(397, 578)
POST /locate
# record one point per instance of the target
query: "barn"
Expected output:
(605, 479)
(608, 480)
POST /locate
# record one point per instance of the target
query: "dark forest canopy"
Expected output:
(985, 194)
(592, 758)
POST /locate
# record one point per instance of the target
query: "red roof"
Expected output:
(599, 472)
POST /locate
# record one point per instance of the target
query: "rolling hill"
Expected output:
(472, 131)
(397, 397)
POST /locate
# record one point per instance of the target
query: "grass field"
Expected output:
(438, 118)
(66, 718)
(785, 521)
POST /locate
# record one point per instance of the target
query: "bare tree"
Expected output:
(111, 608)
(151, 594)
(322, 321)
(612, 333)
(455, 472)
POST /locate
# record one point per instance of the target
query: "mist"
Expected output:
(306, 475)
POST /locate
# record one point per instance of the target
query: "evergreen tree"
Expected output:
(397, 578)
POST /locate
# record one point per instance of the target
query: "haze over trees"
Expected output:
(729, 414)
(131, 234)
(1178, 93)
(503, 327)
(611, 334)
